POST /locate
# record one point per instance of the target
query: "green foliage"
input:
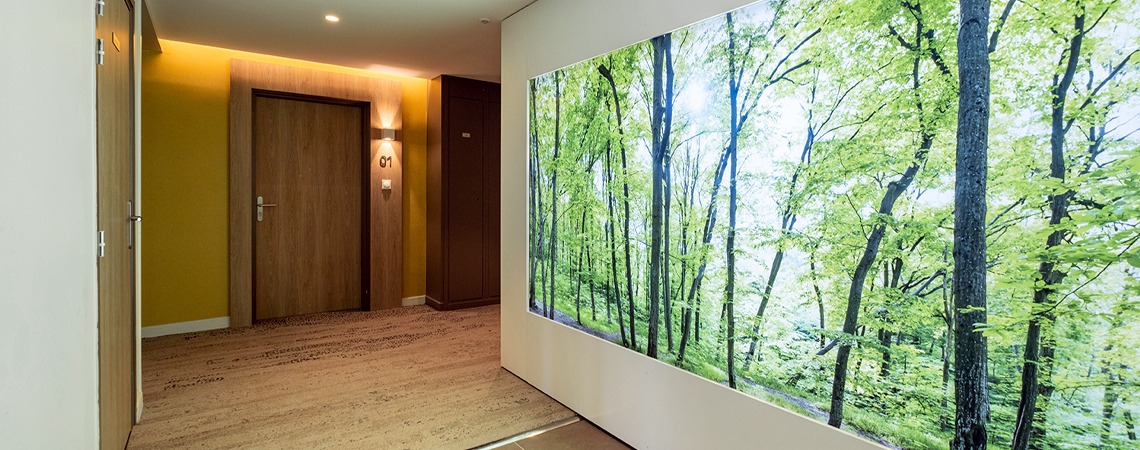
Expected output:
(836, 107)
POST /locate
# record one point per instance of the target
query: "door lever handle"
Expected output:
(135, 218)
(261, 204)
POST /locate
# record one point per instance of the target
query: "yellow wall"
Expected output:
(185, 179)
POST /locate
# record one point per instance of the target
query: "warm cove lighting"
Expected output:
(332, 18)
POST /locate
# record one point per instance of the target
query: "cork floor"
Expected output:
(408, 378)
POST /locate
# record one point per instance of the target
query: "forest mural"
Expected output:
(916, 220)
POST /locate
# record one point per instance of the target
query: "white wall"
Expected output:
(648, 404)
(48, 356)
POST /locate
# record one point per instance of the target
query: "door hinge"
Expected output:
(102, 245)
(99, 7)
(99, 51)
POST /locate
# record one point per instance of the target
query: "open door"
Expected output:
(114, 81)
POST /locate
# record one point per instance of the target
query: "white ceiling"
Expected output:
(419, 38)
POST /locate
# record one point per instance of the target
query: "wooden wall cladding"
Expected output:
(386, 236)
(463, 193)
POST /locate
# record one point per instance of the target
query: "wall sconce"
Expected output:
(385, 134)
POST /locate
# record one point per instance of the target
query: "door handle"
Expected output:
(261, 204)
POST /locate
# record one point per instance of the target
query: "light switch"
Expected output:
(386, 185)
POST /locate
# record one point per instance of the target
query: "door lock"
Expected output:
(261, 204)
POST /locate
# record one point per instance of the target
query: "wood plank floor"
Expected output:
(408, 378)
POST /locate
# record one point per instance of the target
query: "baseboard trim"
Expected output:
(440, 306)
(138, 406)
(186, 327)
(413, 301)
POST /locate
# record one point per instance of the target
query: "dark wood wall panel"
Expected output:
(465, 203)
(463, 193)
(492, 193)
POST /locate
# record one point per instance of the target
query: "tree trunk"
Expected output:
(971, 391)
(666, 131)
(613, 239)
(657, 158)
(1130, 425)
(885, 336)
(697, 322)
(1031, 384)
(730, 241)
(947, 354)
(818, 297)
(534, 180)
(554, 191)
(605, 71)
(666, 284)
(710, 225)
(855, 295)
(787, 223)
(891, 275)
(590, 267)
(1107, 409)
(578, 274)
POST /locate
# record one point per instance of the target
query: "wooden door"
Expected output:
(309, 248)
(465, 205)
(113, 159)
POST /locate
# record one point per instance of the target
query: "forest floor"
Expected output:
(816, 413)
(804, 406)
(569, 321)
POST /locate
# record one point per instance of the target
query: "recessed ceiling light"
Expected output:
(332, 18)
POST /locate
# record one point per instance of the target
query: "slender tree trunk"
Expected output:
(578, 274)
(947, 349)
(1130, 425)
(613, 240)
(787, 223)
(666, 284)
(818, 299)
(1107, 408)
(590, 268)
(541, 254)
(687, 323)
(543, 264)
(948, 317)
(891, 274)
(605, 71)
(534, 181)
(554, 190)
(707, 235)
(697, 321)
(886, 206)
(730, 241)
(1031, 382)
(885, 340)
(971, 391)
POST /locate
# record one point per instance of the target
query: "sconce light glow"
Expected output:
(387, 134)
(332, 18)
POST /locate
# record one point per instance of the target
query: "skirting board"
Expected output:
(186, 327)
(413, 301)
(138, 406)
